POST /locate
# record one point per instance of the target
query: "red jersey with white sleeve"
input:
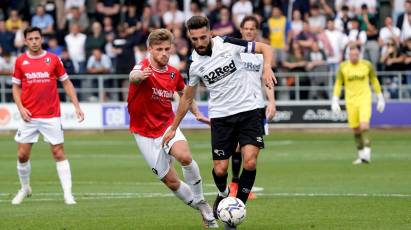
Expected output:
(38, 77)
(149, 102)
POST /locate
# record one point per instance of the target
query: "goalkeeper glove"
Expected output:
(335, 107)
(380, 103)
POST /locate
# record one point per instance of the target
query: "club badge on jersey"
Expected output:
(172, 75)
(47, 60)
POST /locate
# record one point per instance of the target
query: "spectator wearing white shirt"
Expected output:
(241, 9)
(337, 40)
(76, 42)
(356, 36)
(173, 17)
(388, 32)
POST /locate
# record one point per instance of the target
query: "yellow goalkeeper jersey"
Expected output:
(356, 79)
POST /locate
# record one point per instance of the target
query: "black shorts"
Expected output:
(243, 128)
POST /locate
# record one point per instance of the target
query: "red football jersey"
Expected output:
(149, 102)
(38, 76)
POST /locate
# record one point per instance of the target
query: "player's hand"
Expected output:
(335, 106)
(147, 72)
(25, 114)
(168, 136)
(201, 118)
(269, 78)
(380, 103)
(80, 115)
(270, 111)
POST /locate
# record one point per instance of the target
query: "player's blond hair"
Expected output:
(158, 36)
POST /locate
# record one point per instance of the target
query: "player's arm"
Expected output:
(335, 107)
(184, 104)
(137, 76)
(377, 89)
(24, 113)
(271, 108)
(268, 75)
(196, 112)
(71, 92)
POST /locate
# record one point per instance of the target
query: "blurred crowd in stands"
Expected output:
(108, 36)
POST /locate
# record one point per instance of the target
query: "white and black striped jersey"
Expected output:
(224, 75)
(253, 64)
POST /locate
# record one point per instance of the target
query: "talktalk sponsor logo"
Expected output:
(220, 72)
(5, 116)
(162, 93)
(37, 75)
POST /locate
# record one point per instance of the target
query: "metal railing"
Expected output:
(291, 86)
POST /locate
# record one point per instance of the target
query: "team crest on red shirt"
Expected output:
(47, 60)
(172, 75)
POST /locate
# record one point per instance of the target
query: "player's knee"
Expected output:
(22, 157)
(171, 183)
(58, 153)
(186, 159)
(220, 170)
(250, 164)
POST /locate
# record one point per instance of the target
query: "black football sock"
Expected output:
(220, 182)
(236, 160)
(365, 138)
(358, 141)
(245, 184)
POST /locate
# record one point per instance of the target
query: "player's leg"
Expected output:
(365, 116)
(53, 133)
(354, 123)
(224, 139)
(251, 141)
(236, 162)
(26, 135)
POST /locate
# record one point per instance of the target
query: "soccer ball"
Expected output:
(231, 210)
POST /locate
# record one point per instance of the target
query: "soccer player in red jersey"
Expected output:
(153, 83)
(35, 93)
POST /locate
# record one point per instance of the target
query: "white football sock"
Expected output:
(184, 193)
(225, 193)
(192, 177)
(367, 154)
(23, 170)
(64, 173)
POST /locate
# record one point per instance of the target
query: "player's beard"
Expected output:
(207, 50)
(162, 61)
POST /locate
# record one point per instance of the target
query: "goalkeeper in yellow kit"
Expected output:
(356, 75)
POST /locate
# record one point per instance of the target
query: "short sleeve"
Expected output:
(17, 74)
(60, 71)
(180, 82)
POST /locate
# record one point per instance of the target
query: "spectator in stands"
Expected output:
(98, 63)
(6, 38)
(214, 11)
(19, 37)
(388, 32)
(123, 47)
(75, 43)
(404, 22)
(43, 20)
(317, 62)
(14, 22)
(337, 41)
(108, 26)
(148, 20)
(68, 4)
(224, 27)
(7, 61)
(392, 60)
(54, 47)
(366, 17)
(175, 60)
(406, 56)
(297, 23)
(77, 17)
(195, 10)
(173, 17)
(356, 36)
(342, 20)
(109, 48)
(131, 18)
(295, 62)
(306, 38)
(316, 20)
(108, 8)
(371, 46)
(359, 6)
(140, 52)
(239, 10)
(276, 31)
(96, 39)
(181, 43)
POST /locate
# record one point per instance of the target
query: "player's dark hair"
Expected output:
(197, 22)
(32, 29)
(159, 35)
(250, 18)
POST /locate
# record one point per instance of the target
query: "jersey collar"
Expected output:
(36, 57)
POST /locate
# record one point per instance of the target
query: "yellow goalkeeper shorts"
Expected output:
(358, 113)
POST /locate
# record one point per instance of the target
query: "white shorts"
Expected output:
(158, 158)
(50, 128)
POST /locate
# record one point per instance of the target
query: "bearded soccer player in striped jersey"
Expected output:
(35, 93)
(253, 63)
(153, 83)
(356, 75)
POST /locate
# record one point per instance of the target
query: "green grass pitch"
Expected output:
(307, 182)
